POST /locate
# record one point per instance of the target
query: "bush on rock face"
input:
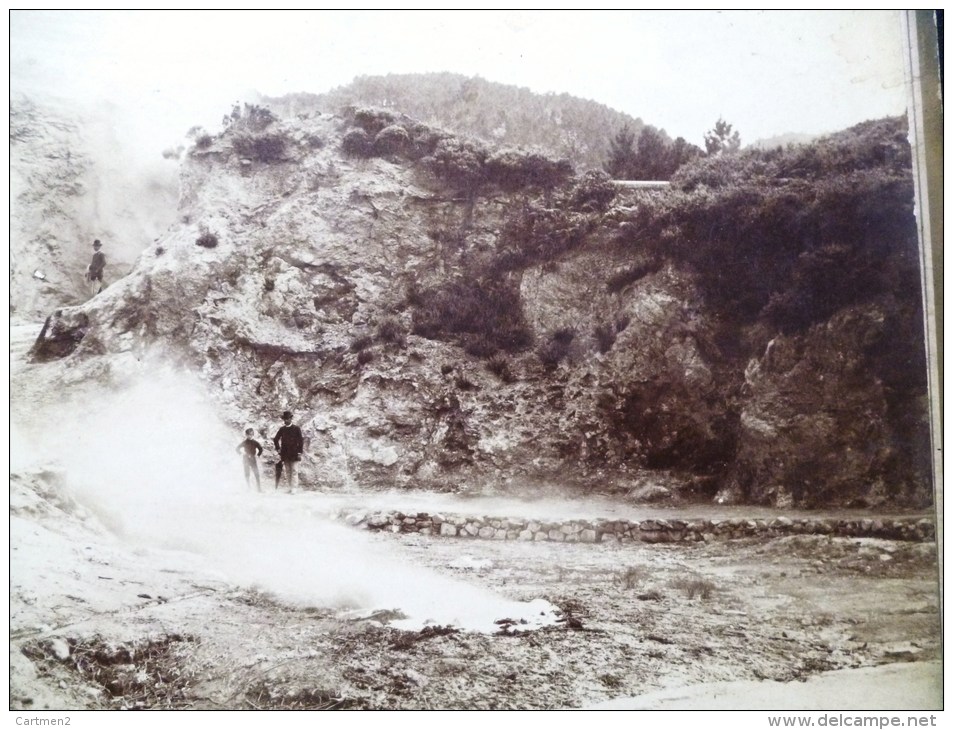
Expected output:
(360, 343)
(372, 121)
(791, 235)
(484, 315)
(457, 162)
(535, 235)
(499, 365)
(391, 331)
(593, 192)
(556, 348)
(261, 148)
(392, 140)
(357, 143)
(515, 170)
(207, 240)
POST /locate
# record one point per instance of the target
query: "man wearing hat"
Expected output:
(94, 272)
(289, 441)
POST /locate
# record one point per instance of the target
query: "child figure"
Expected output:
(251, 450)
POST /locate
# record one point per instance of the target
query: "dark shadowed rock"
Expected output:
(62, 333)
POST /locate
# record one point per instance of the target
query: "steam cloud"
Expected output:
(158, 467)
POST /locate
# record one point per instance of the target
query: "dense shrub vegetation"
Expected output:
(250, 118)
(393, 140)
(500, 114)
(260, 147)
(458, 162)
(792, 235)
(650, 156)
(514, 170)
(484, 316)
(465, 165)
(390, 330)
(593, 192)
(499, 365)
(247, 128)
(777, 241)
(357, 143)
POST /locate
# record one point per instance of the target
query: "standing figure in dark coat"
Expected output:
(289, 441)
(94, 272)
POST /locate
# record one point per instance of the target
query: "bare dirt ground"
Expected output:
(99, 623)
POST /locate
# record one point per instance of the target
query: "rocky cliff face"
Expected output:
(302, 277)
(71, 182)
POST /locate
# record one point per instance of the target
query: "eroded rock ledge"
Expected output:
(629, 531)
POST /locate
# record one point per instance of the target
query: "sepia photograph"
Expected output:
(476, 360)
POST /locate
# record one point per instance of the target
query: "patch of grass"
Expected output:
(573, 612)
(266, 695)
(259, 598)
(390, 330)
(407, 639)
(695, 587)
(361, 343)
(464, 383)
(633, 577)
(145, 674)
(364, 357)
(499, 365)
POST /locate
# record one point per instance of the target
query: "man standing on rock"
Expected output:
(94, 272)
(289, 441)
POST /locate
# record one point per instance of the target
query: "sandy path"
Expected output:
(914, 686)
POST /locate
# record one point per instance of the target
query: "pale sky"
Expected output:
(766, 72)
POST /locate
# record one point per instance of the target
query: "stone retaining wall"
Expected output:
(627, 531)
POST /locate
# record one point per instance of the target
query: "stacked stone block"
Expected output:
(622, 532)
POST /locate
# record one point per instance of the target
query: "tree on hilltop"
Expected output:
(721, 140)
(622, 155)
(682, 152)
(651, 157)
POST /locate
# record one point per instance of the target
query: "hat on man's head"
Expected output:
(287, 415)
(97, 243)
